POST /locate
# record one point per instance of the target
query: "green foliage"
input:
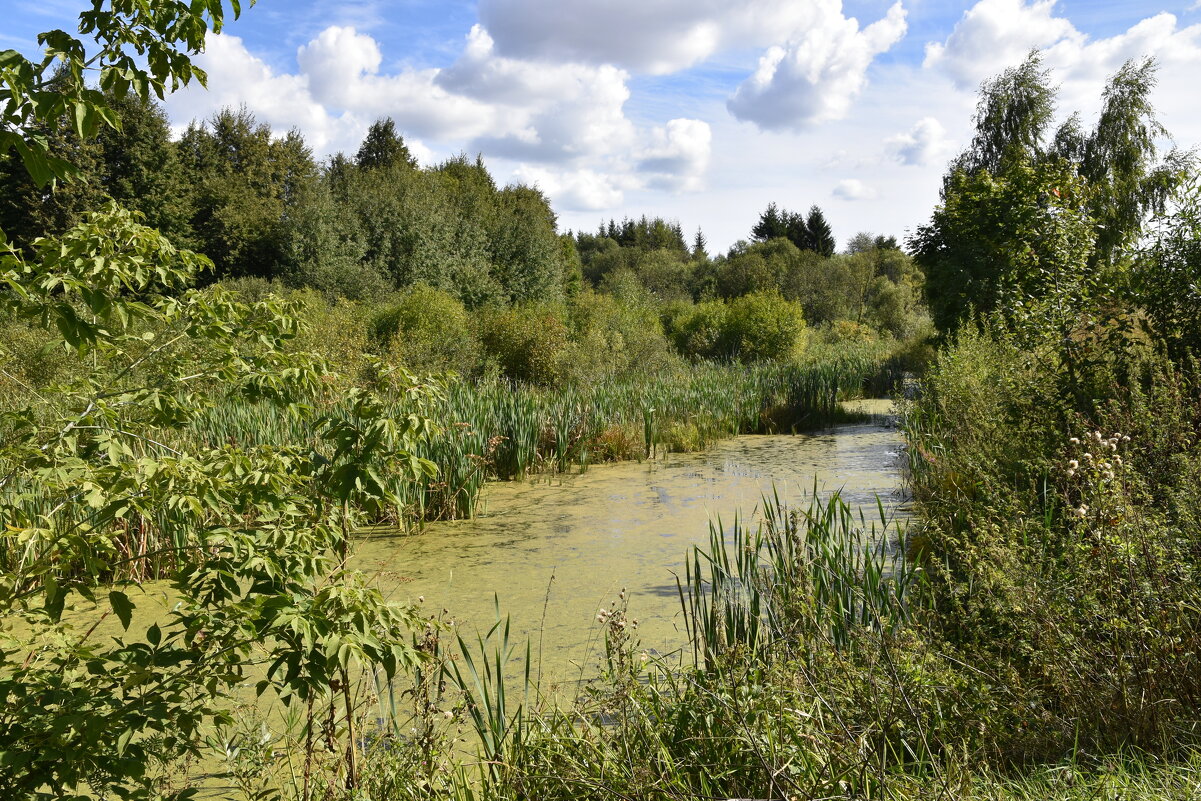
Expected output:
(325, 249)
(764, 326)
(246, 531)
(427, 330)
(821, 236)
(1010, 233)
(142, 47)
(697, 332)
(527, 343)
(243, 183)
(757, 327)
(383, 147)
(525, 250)
(1003, 241)
(1167, 276)
(1012, 116)
(91, 494)
(611, 339)
(806, 234)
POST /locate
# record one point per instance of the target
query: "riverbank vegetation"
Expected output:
(217, 389)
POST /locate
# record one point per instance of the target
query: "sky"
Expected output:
(699, 111)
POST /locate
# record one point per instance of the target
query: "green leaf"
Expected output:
(122, 607)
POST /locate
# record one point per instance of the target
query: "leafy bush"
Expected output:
(526, 342)
(611, 339)
(427, 330)
(698, 332)
(764, 326)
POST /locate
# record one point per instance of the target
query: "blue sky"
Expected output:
(697, 110)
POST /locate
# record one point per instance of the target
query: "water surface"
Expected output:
(555, 550)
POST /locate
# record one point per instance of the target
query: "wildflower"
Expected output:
(1073, 464)
(1088, 457)
(1074, 440)
(1071, 473)
(1082, 511)
(1117, 460)
(1125, 438)
(448, 715)
(1108, 474)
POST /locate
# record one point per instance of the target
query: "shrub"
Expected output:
(698, 332)
(612, 339)
(428, 330)
(764, 326)
(526, 342)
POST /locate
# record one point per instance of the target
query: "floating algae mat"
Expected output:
(553, 551)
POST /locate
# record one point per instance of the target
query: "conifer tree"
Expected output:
(771, 224)
(821, 236)
(383, 147)
(700, 250)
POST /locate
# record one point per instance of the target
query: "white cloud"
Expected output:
(815, 77)
(658, 37)
(236, 77)
(552, 112)
(576, 190)
(923, 145)
(678, 155)
(567, 118)
(995, 34)
(854, 189)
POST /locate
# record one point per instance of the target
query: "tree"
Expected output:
(1119, 160)
(1012, 117)
(143, 47)
(772, 224)
(244, 181)
(30, 208)
(821, 236)
(140, 169)
(798, 232)
(1012, 206)
(1167, 275)
(383, 147)
(252, 540)
(1001, 242)
(700, 250)
(527, 259)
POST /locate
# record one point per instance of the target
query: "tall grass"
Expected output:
(821, 574)
(502, 430)
(760, 603)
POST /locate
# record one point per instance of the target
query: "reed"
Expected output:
(495, 430)
(799, 578)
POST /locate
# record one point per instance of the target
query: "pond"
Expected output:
(550, 552)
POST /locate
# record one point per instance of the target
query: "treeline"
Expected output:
(259, 205)
(452, 271)
(872, 289)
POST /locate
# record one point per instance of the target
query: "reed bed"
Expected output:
(498, 430)
(768, 607)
